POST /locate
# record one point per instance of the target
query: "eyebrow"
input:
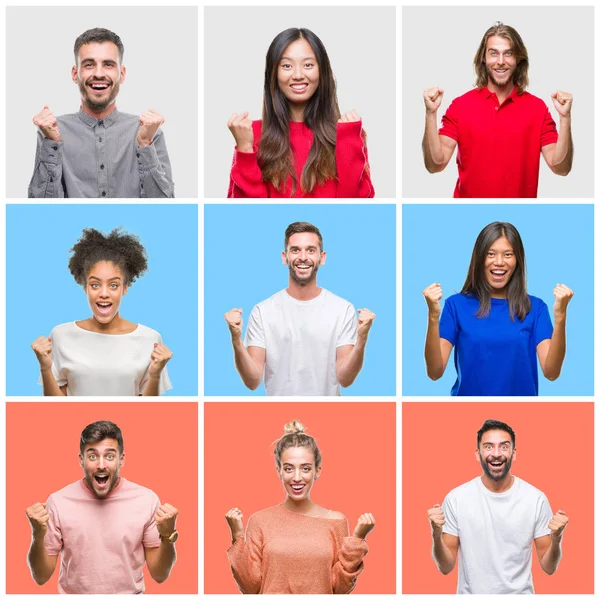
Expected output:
(111, 279)
(96, 451)
(500, 443)
(302, 465)
(305, 58)
(307, 247)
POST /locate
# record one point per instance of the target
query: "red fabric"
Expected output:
(352, 163)
(498, 145)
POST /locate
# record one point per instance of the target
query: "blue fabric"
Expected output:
(494, 356)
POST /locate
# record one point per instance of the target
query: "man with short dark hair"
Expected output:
(103, 526)
(306, 340)
(490, 522)
(499, 128)
(100, 152)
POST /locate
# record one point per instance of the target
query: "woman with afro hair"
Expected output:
(104, 355)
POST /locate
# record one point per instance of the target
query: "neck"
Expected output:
(503, 92)
(299, 506)
(303, 292)
(498, 486)
(297, 113)
(114, 325)
(99, 114)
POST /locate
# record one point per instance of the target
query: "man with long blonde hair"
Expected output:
(499, 128)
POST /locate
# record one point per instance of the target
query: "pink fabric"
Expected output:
(102, 541)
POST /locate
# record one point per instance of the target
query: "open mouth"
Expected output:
(99, 86)
(498, 274)
(297, 489)
(299, 88)
(101, 480)
(104, 308)
(303, 267)
(497, 464)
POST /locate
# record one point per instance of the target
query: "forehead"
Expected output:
(495, 436)
(98, 51)
(105, 269)
(501, 245)
(299, 49)
(297, 455)
(304, 239)
(498, 43)
(105, 445)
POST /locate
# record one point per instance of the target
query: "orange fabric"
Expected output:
(289, 553)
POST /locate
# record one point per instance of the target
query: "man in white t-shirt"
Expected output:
(103, 526)
(306, 340)
(490, 522)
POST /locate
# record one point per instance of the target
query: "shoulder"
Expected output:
(532, 100)
(70, 491)
(60, 330)
(138, 490)
(460, 300)
(266, 515)
(128, 117)
(336, 515)
(274, 300)
(537, 304)
(465, 490)
(331, 299)
(466, 99)
(148, 332)
(526, 489)
(68, 118)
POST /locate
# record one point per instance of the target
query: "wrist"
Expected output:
(143, 143)
(246, 148)
(38, 536)
(45, 369)
(361, 340)
(560, 317)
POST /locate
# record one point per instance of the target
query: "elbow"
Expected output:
(552, 375)
(445, 569)
(549, 570)
(252, 384)
(434, 375)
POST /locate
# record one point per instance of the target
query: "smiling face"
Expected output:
(500, 62)
(298, 73)
(101, 463)
(303, 257)
(499, 266)
(98, 74)
(298, 472)
(496, 453)
(105, 287)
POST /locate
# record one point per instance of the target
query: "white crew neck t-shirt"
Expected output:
(100, 364)
(301, 339)
(496, 532)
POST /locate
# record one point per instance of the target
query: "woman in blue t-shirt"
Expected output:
(497, 329)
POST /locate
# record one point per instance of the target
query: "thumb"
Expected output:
(554, 95)
(436, 506)
(45, 106)
(155, 344)
(561, 512)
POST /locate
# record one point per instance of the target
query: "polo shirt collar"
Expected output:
(92, 121)
(487, 93)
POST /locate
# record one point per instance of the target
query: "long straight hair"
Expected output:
(476, 283)
(321, 115)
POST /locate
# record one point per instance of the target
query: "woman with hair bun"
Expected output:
(498, 331)
(104, 355)
(297, 547)
(303, 147)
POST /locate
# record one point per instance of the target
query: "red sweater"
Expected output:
(351, 158)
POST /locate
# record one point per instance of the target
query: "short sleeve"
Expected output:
(449, 322)
(449, 126)
(53, 541)
(542, 326)
(549, 133)
(450, 514)
(348, 332)
(542, 517)
(255, 333)
(151, 537)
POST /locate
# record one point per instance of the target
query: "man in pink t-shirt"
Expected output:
(104, 526)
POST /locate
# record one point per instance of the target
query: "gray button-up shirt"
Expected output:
(100, 158)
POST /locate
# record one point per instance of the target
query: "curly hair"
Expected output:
(122, 249)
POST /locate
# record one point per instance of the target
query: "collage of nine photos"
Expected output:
(356, 279)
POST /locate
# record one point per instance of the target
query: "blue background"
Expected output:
(437, 242)
(41, 292)
(243, 246)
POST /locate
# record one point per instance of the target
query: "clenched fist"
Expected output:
(234, 520)
(558, 523)
(241, 129)
(433, 294)
(436, 518)
(38, 519)
(349, 117)
(160, 356)
(365, 524)
(234, 321)
(165, 519)
(150, 121)
(48, 124)
(563, 296)
(365, 320)
(562, 102)
(42, 347)
(433, 99)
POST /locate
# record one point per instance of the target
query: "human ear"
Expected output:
(123, 74)
(323, 257)
(74, 73)
(284, 260)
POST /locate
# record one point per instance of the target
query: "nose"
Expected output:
(101, 463)
(297, 475)
(500, 60)
(297, 72)
(499, 259)
(104, 292)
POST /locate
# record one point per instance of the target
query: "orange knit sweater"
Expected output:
(289, 553)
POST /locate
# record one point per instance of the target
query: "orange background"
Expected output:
(555, 453)
(161, 453)
(358, 444)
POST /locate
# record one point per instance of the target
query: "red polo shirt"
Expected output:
(498, 145)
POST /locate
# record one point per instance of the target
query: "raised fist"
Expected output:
(558, 523)
(563, 296)
(42, 347)
(433, 99)
(365, 524)
(365, 320)
(234, 520)
(165, 519)
(433, 294)
(437, 518)
(38, 518)
(349, 117)
(150, 121)
(48, 124)
(234, 321)
(562, 102)
(160, 356)
(241, 129)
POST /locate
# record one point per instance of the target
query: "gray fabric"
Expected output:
(100, 159)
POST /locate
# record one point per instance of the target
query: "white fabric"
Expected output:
(100, 364)
(301, 339)
(496, 533)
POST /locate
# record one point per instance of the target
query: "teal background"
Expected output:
(437, 242)
(243, 245)
(41, 292)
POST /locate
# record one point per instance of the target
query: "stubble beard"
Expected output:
(303, 281)
(493, 476)
(91, 103)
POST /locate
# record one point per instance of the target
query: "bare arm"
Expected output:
(160, 561)
(549, 553)
(437, 149)
(41, 564)
(559, 156)
(437, 350)
(444, 551)
(50, 387)
(349, 359)
(249, 362)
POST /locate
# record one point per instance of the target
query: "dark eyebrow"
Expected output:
(302, 465)
(111, 279)
(307, 247)
(96, 451)
(305, 58)
(501, 443)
